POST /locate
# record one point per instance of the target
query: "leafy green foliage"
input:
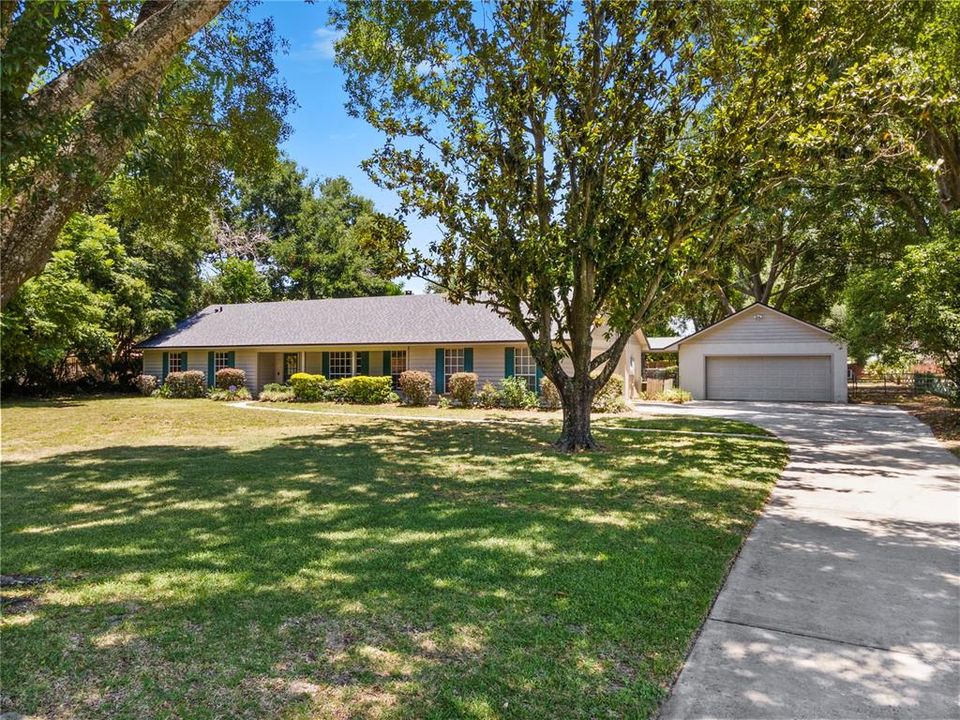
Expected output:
(277, 392)
(308, 387)
(911, 306)
(312, 238)
(367, 390)
(90, 305)
(515, 394)
(577, 165)
(235, 281)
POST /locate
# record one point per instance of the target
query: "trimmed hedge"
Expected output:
(360, 389)
(367, 389)
(310, 388)
(463, 386)
(416, 386)
(187, 384)
(230, 377)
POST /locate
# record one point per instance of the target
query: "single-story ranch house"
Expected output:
(756, 354)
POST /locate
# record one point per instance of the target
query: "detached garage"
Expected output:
(763, 354)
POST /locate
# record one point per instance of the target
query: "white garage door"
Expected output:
(751, 377)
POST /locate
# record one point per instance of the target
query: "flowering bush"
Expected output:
(230, 376)
(146, 384)
(463, 386)
(416, 387)
(187, 384)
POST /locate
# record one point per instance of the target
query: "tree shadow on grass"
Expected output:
(385, 568)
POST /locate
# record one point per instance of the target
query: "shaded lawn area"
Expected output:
(205, 561)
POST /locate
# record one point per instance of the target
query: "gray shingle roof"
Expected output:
(399, 319)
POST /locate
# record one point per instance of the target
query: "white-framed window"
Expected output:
(221, 360)
(452, 363)
(398, 365)
(341, 364)
(173, 362)
(524, 366)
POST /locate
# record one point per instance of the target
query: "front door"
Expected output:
(291, 365)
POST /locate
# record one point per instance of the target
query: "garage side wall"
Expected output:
(770, 335)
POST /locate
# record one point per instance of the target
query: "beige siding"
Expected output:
(266, 370)
(313, 362)
(762, 325)
(246, 360)
(153, 362)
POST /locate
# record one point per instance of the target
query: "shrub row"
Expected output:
(361, 389)
(416, 387)
(230, 384)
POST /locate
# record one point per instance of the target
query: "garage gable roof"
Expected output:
(750, 308)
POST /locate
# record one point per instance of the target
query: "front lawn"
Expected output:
(206, 561)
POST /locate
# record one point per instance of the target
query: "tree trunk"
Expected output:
(577, 398)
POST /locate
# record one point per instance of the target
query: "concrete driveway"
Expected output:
(845, 601)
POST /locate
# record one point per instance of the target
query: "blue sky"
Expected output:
(325, 139)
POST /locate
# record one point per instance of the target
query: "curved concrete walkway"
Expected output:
(844, 602)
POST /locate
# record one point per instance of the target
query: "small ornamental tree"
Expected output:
(577, 163)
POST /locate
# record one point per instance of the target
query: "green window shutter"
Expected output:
(231, 359)
(387, 367)
(438, 366)
(539, 378)
(211, 380)
(468, 359)
(508, 362)
(364, 362)
(165, 366)
(325, 364)
(183, 362)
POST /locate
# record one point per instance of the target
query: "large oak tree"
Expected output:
(578, 158)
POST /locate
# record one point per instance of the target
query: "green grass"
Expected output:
(206, 561)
